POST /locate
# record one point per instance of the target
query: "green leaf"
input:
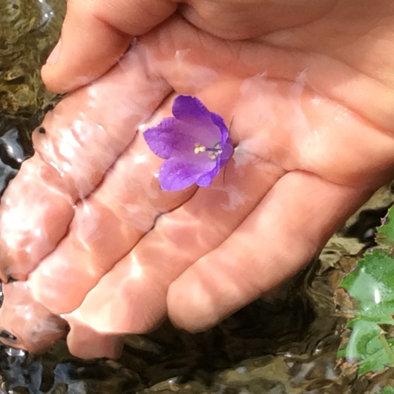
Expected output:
(367, 347)
(385, 233)
(371, 286)
(387, 390)
(371, 290)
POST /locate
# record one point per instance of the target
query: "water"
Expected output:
(284, 344)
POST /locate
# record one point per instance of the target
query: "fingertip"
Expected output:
(95, 34)
(88, 47)
(86, 343)
(191, 306)
(79, 59)
(211, 290)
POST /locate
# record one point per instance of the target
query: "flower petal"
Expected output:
(177, 174)
(228, 150)
(172, 137)
(189, 107)
(169, 138)
(206, 179)
(219, 122)
(176, 140)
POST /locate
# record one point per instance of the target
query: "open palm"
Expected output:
(308, 101)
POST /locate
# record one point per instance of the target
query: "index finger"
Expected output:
(79, 140)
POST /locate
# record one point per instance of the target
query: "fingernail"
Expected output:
(54, 55)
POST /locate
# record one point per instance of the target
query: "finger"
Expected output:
(284, 232)
(39, 184)
(83, 137)
(141, 279)
(25, 323)
(85, 342)
(95, 35)
(105, 227)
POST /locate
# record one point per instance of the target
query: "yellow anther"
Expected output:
(198, 148)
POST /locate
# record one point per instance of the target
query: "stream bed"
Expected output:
(284, 343)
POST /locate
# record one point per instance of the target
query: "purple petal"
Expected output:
(173, 137)
(169, 139)
(228, 150)
(176, 174)
(189, 107)
(206, 179)
(219, 122)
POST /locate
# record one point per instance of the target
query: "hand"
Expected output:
(308, 99)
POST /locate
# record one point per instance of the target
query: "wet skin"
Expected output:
(308, 93)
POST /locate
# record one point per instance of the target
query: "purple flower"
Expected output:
(195, 144)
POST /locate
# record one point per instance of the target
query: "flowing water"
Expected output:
(286, 343)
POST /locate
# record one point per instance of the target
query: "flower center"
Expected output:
(213, 153)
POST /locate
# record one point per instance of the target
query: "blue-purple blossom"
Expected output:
(195, 144)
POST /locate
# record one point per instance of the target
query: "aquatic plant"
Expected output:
(195, 144)
(369, 301)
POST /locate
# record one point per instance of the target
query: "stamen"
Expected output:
(198, 148)
(213, 153)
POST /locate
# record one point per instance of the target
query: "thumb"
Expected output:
(94, 36)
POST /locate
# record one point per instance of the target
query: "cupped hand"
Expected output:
(308, 96)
